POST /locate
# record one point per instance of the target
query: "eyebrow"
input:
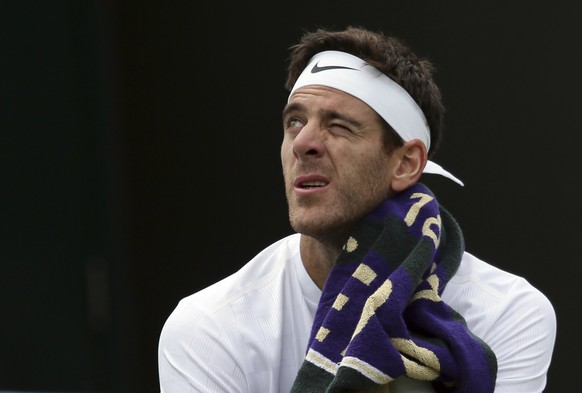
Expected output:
(291, 108)
(324, 113)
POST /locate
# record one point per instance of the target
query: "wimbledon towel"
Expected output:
(381, 316)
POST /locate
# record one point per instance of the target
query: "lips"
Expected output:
(310, 182)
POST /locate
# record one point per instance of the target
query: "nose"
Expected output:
(310, 141)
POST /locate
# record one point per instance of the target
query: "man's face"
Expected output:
(335, 166)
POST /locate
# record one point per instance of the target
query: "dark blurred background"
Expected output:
(140, 162)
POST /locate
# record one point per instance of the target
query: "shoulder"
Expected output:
(204, 343)
(222, 297)
(511, 315)
(483, 293)
(487, 288)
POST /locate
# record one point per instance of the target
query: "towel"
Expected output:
(381, 315)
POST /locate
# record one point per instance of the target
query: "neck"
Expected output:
(319, 256)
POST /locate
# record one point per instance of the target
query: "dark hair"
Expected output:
(389, 55)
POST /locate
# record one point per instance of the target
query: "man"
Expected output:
(375, 291)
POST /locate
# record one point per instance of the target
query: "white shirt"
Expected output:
(248, 332)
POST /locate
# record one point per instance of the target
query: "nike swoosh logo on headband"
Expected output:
(316, 68)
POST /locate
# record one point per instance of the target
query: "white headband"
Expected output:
(386, 97)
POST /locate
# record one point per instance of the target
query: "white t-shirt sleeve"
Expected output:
(195, 355)
(523, 341)
(514, 318)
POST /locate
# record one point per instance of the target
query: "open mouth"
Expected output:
(312, 184)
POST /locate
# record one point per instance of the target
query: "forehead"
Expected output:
(328, 98)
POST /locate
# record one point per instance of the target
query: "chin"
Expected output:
(308, 227)
(315, 226)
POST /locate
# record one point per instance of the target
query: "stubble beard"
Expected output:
(332, 221)
(328, 223)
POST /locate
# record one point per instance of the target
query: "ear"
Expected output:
(409, 161)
